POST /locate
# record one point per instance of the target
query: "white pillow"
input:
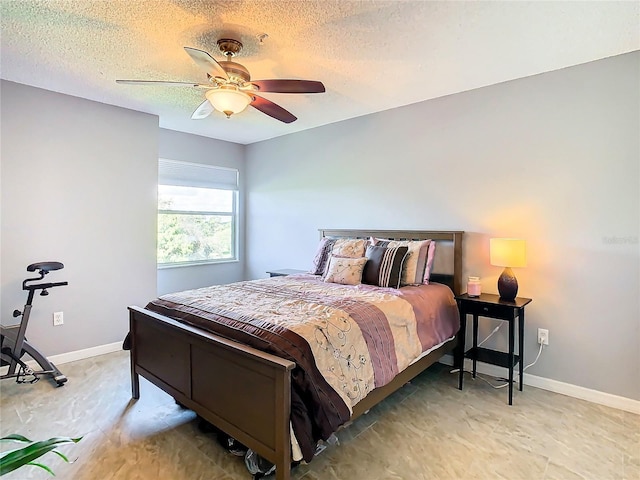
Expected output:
(347, 271)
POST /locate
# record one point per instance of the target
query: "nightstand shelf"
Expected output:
(493, 357)
(492, 306)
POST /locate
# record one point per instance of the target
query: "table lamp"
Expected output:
(508, 253)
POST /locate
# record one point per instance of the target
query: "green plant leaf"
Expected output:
(62, 456)
(44, 467)
(16, 438)
(14, 459)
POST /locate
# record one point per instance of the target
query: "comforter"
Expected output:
(345, 340)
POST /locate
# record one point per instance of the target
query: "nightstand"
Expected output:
(284, 272)
(491, 306)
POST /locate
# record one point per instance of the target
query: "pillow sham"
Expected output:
(430, 256)
(384, 266)
(349, 247)
(413, 270)
(321, 258)
(347, 271)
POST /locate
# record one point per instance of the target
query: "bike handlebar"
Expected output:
(44, 286)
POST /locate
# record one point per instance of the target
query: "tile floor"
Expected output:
(427, 430)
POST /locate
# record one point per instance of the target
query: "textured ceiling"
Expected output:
(370, 55)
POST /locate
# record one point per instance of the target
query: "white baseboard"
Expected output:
(593, 396)
(73, 356)
(85, 353)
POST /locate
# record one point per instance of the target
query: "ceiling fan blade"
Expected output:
(289, 86)
(273, 110)
(203, 110)
(206, 62)
(161, 82)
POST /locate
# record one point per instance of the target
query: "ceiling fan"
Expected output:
(230, 89)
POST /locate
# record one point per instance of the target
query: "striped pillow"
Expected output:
(384, 266)
(414, 268)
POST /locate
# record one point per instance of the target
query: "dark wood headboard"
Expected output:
(448, 260)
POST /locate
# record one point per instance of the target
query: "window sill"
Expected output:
(196, 264)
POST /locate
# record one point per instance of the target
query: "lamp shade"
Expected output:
(508, 252)
(228, 100)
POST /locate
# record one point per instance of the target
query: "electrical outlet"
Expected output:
(543, 336)
(58, 319)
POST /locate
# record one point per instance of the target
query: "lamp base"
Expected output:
(508, 285)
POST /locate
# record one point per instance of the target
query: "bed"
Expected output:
(247, 392)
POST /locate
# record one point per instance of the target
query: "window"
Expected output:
(197, 213)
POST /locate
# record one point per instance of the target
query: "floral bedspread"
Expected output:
(346, 340)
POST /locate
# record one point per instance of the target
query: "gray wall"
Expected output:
(78, 186)
(196, 149)
(553, 159)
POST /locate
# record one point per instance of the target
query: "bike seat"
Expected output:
(45, 267)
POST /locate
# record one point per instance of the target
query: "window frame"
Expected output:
(233, 215)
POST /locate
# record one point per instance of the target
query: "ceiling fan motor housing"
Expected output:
(234, 69)
(230, 48)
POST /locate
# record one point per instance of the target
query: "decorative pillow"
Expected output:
(413, 271)
(349, 247)
(321, 259)
(430, 256)
(347, 271)
(381, 242)
(384, 266)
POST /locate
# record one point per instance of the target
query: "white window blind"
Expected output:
(185, 174)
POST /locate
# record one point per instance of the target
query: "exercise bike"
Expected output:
(13, 343)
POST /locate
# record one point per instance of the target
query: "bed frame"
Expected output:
(246, 392)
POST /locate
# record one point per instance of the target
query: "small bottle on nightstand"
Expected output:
(473, 287)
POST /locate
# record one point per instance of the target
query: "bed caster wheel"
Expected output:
(60, 380)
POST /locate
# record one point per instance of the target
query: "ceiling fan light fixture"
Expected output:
(228, 100)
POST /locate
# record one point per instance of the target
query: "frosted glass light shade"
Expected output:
(228, 100)
(508, 252)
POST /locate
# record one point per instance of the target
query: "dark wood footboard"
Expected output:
(221, 381)
(241, 390)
